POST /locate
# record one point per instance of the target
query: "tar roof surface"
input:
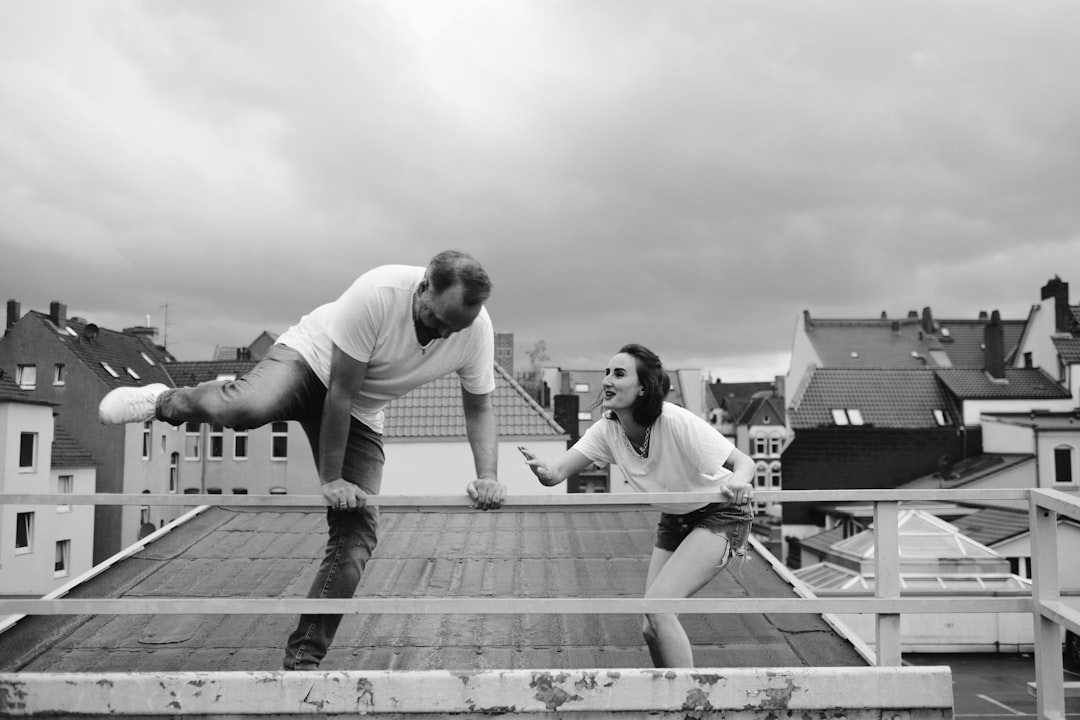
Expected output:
(238, 553)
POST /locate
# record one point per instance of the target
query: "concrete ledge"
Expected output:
(894, 693)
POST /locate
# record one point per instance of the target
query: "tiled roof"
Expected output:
(991, 525)
(1022, 383)
(186, 374)
(873, 343)
(722, 391)
(760, 406)
(11, 392)
(893, 398)
(524, 553)
(434, 411)
(1068, 349)
(120, 350)
(68, 453)
(969, 470)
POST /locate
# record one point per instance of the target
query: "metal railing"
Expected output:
(1049, 613)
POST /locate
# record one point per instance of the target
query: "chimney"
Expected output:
(58, 314)
(13, 313)
(927, 321)
(141, 331)
(1059, 291)
(994, 347)
(779, 386)
(807, 322)
(983, 315)
(912, 315)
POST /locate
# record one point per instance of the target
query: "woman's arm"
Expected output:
(569, 464)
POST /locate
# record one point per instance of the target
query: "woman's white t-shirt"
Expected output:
(683, 449)
(372, 322)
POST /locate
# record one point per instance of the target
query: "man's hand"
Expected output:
(342, 495)
(487, 494)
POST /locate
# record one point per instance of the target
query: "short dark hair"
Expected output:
(654, 380)
(452, 267)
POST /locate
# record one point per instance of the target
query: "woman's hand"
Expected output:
(737, 492)
(540, 469)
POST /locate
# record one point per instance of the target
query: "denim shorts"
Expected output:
(730, 521)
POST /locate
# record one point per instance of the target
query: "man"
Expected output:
(396, 328)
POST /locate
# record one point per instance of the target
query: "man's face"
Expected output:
(445, 313)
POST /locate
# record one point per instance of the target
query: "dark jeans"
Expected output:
(283, 387)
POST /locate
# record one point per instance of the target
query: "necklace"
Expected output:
(642, 451)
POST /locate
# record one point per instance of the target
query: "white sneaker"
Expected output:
(130, 404)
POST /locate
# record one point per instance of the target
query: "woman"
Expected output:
(662, 447)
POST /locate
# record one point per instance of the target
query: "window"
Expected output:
(1063, 464)
(226, 376)
(26, 376)
(147, 439)
(774, 476)
(216, 441)
(279, 441)
(24, 533)
(63, 558)
(581, 387)
(584, 415)
(775, 443)
(59, 374)
(848, 416)
(240, 445)
(191, 440)
(761, 475)
(132, 373)
(941, 418)
(147, 359)
(108, 369)
(27, 452)
(760, 444)
(65, 485)
(174, 472)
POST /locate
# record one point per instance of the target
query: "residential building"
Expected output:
(41, 546)
(255, 350)
(73, 363)
(878, 403)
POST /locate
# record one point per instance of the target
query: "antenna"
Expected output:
(165, 328)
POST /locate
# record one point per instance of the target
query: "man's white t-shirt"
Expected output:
(372, 322)
(683, 448)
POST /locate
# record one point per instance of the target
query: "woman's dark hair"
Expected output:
(654, 382)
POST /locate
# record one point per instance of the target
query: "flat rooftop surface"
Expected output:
(233, 552)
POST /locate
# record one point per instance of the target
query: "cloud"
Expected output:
(690, 175)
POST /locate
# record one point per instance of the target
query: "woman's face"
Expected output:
(621, 386)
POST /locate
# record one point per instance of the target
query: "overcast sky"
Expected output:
(691, 175)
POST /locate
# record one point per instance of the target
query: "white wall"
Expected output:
(32, 570)
(803, 356)
(974, 409)
(445, 468)
(967, 632)
(1000, 436)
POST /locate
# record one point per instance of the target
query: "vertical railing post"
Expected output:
(1049, 668)
(887, 579)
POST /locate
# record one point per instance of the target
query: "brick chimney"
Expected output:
(994, 347)
(58, 314)
(1059, 291)
(13, 313)
(927, 321)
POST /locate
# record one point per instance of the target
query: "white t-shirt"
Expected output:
(682, 448)
(372, 322)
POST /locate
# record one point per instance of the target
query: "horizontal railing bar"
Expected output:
(509, 606)
(1060, 613)
(1057, 501)
(587, 500)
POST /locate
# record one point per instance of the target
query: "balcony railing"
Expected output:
(1050, 615)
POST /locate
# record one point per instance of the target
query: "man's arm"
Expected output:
(480, 428)
(346, 378)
